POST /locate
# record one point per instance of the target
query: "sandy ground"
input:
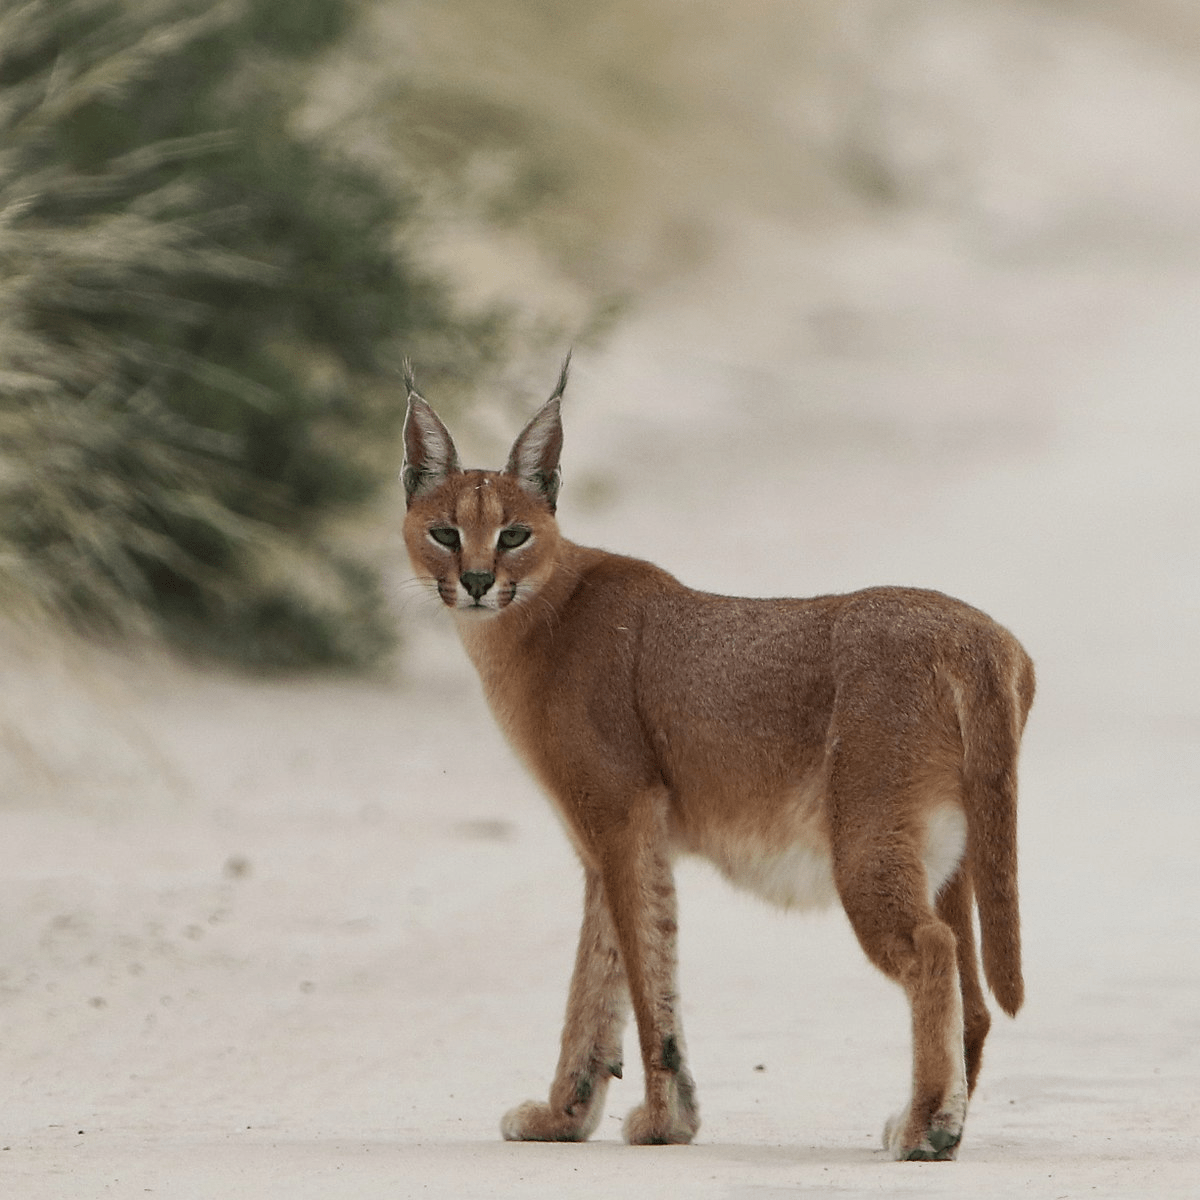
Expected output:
(268, 939)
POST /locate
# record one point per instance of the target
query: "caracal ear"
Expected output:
(534, 457)
(429, 453)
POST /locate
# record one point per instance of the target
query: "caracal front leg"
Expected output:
(640, 889)
(597, 1008)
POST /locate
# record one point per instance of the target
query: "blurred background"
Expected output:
(225, 224)
(884, 291)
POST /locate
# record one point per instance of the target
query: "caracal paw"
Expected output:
(534, 1121)
(649, 1125)
(936, 1142)
(640, 1130)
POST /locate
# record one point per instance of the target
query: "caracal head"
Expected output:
(486, 540)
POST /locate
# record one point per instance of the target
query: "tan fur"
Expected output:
(862, 746)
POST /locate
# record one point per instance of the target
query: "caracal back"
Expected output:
(858, 747)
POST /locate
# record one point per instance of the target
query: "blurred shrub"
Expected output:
(200, 314)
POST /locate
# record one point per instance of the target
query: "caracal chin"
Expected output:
(861, 747)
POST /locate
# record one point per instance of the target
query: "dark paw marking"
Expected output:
(672, 1059)
(943, 1139)
(940, 1145)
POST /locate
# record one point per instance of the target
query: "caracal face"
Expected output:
(485, 540)
(481, 544)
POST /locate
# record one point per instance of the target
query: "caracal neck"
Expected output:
(513, 650)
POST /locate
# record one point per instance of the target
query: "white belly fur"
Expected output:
(800, 874)
(793, 871)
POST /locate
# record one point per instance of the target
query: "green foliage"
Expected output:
(199, 315)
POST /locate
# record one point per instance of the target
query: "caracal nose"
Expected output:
(477, 582)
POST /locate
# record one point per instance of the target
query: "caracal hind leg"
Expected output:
(597, 1007)
(641, 892)
(954, 906)
(877, 836)
(918, 951)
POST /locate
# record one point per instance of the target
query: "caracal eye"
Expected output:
(445, 535)
(512, 537)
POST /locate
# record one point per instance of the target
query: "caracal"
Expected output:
(861, 747)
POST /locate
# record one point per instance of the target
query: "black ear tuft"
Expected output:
(410, 380)
(562, 378)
